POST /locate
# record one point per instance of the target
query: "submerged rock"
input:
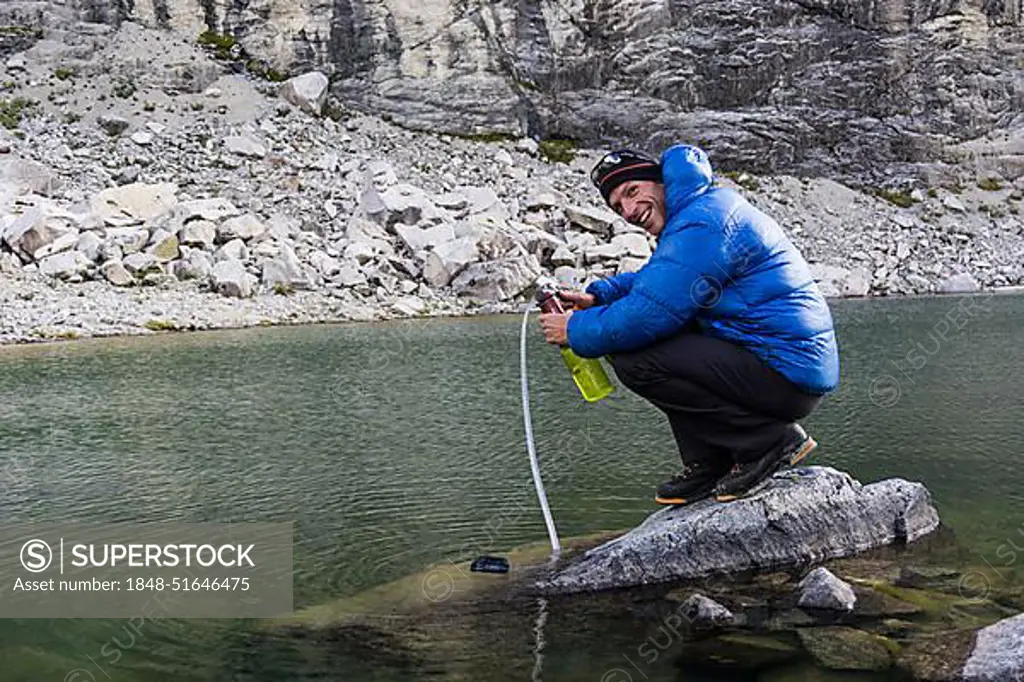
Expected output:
(937, 657)
(704, 613)
(804, 516)
(821, 589)
(839, 648)
(743, 651)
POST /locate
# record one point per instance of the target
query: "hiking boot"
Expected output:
(696, 482)
(748, 478)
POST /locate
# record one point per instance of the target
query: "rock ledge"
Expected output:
(805, 516)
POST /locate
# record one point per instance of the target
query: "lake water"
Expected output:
(393, 447)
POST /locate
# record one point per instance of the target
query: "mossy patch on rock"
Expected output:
(14, 111)
(842, 648)
(443, 585)
(739, 651)
(155, 325)
(227, 48)
(124, 88)
(484, 137)
(880, 604)
(23, 31)
(930, 602)
(936, 658)
(220, 44)
(928, 576)
(895, 197)
(894, 627)
(558, 150)
(744, 180)
(261, 69)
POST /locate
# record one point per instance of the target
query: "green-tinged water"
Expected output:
(395, 447)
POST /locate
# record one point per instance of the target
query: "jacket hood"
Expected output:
(686, 173)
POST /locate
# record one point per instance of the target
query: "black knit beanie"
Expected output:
(622, 166)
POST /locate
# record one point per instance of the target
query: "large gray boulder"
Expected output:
(134, 204)
(64, 242)
(805, 516)
(483, 201)
(164, 246)
(308, 91)
(24, 176)
(88, 244)
(961, 283)
(417, 239)
(404, 204)
(449, 259)
(64, 264)
(195, 264)
(229, 278)
(245, 145)
(838, 281)
(244, 227)
(499, 280)
(201, 233)
(285, 270)
(140, 263)
(598, 221)
(233, 250)
(213, 210)
(998, 654)
(28, 233)
(128, 239)
(115, 273)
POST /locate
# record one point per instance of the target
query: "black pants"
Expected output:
(723, 403)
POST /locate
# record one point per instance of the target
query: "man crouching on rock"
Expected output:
(724, 329)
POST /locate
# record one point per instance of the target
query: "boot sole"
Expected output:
(800, 455)
(679, 501)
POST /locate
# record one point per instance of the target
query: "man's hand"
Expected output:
(578, 299)
(555, 328)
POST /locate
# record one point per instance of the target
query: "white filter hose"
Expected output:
(530, 447)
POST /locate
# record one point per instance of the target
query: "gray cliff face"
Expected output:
(807, 86)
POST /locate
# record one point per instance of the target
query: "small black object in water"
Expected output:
(490, 564)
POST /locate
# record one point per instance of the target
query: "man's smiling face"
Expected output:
(642, 203)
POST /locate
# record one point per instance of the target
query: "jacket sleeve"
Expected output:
(687, 273)
(612, 289)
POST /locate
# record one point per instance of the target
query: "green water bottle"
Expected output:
(589, 374)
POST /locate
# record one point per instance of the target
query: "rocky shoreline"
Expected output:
(225, 201)
(39, 309)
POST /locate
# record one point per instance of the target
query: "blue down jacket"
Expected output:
(722, 261)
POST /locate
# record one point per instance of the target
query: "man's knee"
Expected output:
(806, 406)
